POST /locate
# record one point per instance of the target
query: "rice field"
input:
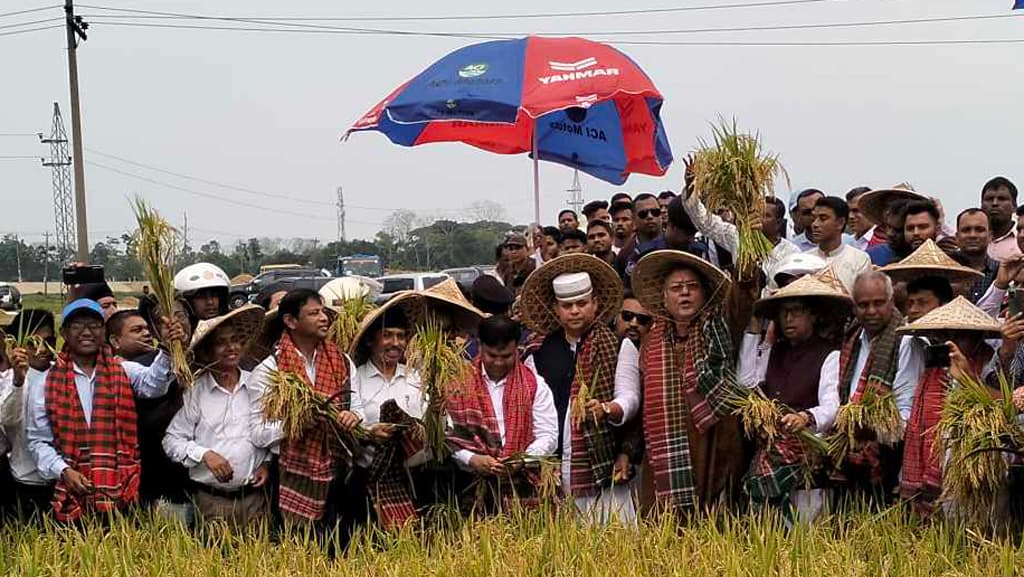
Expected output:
(887, 543)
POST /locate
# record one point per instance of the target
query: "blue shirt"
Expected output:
(881, 255)
(147, 382)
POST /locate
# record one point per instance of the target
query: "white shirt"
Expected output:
(266, 434)
(862, 242)
(6, 389)
(545, 419)
(725, 234)
(908, 372)
(992, 301)
(753, 366)
(13, 411)
(147, 382)
(370, 390)
(213, 418)
(846, 261)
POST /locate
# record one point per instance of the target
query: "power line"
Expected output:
(29, 11)
(31, 22)
(27, 30)
(19, 157)
(616, 42)
(205, 194)
(266, 22)
(210, 182)
(759, 4)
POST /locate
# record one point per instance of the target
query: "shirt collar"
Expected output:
(78, 371)
(1012, 233)
(868, 235)
(835, 252)
(373, 371)
(213, 385)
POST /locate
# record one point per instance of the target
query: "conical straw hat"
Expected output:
(930, 260)
(537, 297)
(958, 315)
(247, 320)
(873, 204)
(824, 285)
(444, 300)
(648, 279)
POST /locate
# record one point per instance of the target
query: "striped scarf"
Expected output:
(105, 450)
(678, 391)
(878, 374)
(474, 424)
(594, 445)
(921, 479)
(308, 463)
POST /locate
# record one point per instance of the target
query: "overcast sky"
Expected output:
(264, 111)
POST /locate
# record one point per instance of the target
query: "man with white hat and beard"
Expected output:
(572, 299)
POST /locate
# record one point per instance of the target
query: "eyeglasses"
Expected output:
(628, 316)
(653, 212)
(514, 246)
(79, 326)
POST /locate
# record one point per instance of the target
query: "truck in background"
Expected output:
(367, 265)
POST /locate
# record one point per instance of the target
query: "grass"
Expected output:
(858, 544)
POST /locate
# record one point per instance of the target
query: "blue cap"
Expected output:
(81, 306)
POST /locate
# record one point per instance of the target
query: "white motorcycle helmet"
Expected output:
(339, 290)
(199, 276)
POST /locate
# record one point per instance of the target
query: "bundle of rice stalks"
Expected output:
(578, 408)
(762, 418)
(24, 337)
(156, 247)
(975, 429)
(346, 325)
(440, 362)
(875, 412)
(733, 172)
(291, 401)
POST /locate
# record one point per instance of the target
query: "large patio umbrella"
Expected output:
(567, 100)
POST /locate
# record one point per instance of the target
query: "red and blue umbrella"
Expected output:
(567, 100)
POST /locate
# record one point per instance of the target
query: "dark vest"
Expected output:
(794, 372)
(556, 364)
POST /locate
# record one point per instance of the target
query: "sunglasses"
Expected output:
(652, 212)
(628, 316)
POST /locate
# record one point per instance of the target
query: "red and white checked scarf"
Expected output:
(921, 478)
(105, 450)
(474, 424)
(308, 463)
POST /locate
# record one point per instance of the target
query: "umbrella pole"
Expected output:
(536, 178)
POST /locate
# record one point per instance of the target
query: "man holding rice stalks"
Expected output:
(955, 335)
(798, 380)
(205, 288)
(504, 427)
(90, 447)
(211, 433)
(30, 341)
(306, 370)
(388, 394)
(572, 299)
(878, 373)
(685, 366)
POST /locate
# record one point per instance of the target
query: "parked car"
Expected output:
(10, 298)
(465, 276)
(244, 293)
(287, 284)
(394, 283)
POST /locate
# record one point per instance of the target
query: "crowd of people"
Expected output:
(603, 363)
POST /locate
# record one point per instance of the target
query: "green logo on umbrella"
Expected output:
(473, 70)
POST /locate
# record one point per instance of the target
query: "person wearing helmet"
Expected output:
(205, 287)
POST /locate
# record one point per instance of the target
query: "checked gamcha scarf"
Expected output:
(308, 464)
(679, 390)
(878, 374)
(921, 475)
(106, 450)
(474, 424)
(388, 482)
(594, 445)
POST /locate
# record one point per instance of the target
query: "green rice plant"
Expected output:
(346, 325)
(441, 363)
(733, 172)
(874, 413)
(156, 248)
(977, 426)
